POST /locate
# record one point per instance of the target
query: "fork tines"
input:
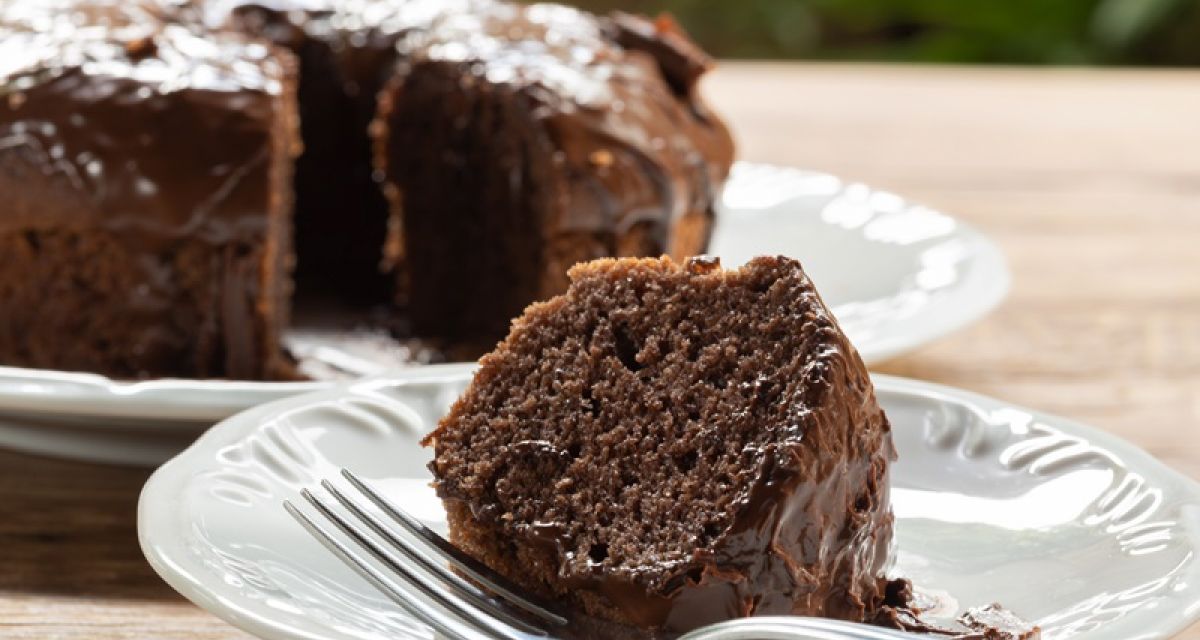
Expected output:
(424, 565)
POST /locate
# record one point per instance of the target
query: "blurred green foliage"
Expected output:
(1141, 32)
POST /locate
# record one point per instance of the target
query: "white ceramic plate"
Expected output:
(1069, 527)
(896, 276)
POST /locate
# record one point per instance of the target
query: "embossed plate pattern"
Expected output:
(896, 275)
(1068, 526)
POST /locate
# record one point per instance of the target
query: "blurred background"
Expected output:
(1047, 32)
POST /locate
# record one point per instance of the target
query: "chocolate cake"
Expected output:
(667, 446)
(151, 154)
(146, 172)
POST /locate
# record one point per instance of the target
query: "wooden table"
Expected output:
(1090, 180)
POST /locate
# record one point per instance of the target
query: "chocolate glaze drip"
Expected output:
(903, 610)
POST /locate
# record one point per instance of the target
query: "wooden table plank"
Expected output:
(1090, 180)
(70, 566)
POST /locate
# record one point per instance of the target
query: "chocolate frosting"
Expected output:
(159, 133)
(362, 34)
(630, 149)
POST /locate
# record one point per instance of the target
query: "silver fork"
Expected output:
(424, 585)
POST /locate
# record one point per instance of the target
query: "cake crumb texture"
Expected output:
(668, 445)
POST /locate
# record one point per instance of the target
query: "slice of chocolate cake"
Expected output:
(519, 140)
(146, 171)
(668, 446)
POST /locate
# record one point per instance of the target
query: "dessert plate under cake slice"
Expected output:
(1069, 527)
(896, 275)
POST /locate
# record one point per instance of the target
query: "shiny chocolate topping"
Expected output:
(161, 132)
(362, 33)
(636, 145)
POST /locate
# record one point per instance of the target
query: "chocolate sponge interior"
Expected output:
(467, 173)
(627, 420)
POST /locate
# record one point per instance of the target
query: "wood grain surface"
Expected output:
(1089, 180)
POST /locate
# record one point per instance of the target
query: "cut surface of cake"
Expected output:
(157, 180)
(347, 51)
(668, 445)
